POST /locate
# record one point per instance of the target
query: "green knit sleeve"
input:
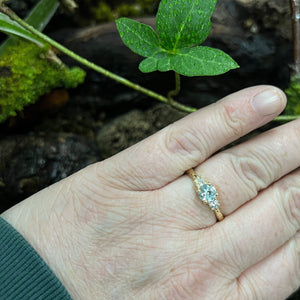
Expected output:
(23, 273)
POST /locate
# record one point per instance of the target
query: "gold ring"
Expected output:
(207, 193)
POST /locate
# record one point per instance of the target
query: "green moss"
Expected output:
(293, 93)
(25, 76)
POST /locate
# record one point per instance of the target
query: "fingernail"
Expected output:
(267, 103)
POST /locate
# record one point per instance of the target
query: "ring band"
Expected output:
(207, 193)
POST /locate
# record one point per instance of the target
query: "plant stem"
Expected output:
(286, 118)
(295, 14)
(175, 92)
(6, 10)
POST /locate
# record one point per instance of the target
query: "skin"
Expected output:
(132, 227)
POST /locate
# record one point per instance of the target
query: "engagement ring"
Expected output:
(207, 193)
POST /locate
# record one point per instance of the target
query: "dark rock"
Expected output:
(31, 162)
(132, 127)
(268, 14)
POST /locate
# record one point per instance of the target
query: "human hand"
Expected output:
(132, 226)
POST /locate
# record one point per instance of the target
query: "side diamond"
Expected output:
(199, 182)
(214, 204)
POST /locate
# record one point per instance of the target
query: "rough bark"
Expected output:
(295, 12)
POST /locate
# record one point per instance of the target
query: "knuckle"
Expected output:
(232, 121)
(290, 195)
(186, 142)
(294, 278)
(294, 205)
(251, 171)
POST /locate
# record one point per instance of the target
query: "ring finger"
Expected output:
(242, 171)
(239, 173)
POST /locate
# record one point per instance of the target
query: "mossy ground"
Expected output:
(26, 74)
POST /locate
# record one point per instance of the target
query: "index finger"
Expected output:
(166, 155)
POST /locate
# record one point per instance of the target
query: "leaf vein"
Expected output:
(138, 35)
(183, 26)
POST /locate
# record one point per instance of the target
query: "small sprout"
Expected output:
(181, 26)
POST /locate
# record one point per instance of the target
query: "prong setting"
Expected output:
(207, 193)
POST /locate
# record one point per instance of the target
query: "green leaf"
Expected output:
(11, 27)
(148, 65)
(202, 61)
(183, 23)
(140, 38)
(42, 13)
(197, 61)
(39, 17)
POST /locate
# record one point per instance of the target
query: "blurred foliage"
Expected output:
(104, 10)
(126, 10)
(90, 11)
(26, 73)
(293, 94)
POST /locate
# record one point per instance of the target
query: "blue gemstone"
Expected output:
(207, 193)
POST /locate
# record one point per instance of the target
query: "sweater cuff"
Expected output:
(23, 273)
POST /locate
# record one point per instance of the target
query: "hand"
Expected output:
(132, 226)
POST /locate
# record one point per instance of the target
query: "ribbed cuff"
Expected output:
(23, 273)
